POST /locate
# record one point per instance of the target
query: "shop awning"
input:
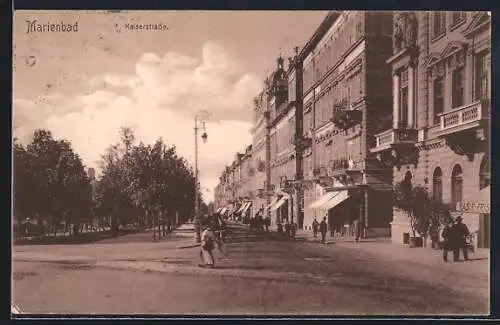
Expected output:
(322, 200)
(218, 210)
(279, 203)
(242, 206)
(223, 210)
(247, 206)
(477, 203)
(338, 198)
(274, 201)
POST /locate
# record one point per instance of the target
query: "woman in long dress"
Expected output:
(207, 246)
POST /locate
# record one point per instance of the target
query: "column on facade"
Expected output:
(411, 96)
(470, 72)
(395, 101)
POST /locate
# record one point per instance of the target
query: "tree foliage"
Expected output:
(424, 212)
(144, 183)
(50, 182)
(139, 184)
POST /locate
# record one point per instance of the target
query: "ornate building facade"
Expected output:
(346, 100)
(439, 138)
(281, 128)
(260, 152)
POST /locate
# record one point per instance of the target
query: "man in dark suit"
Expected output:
(460, 233)
(446, 237)
(323, 229)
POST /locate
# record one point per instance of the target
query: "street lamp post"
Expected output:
(200, 117)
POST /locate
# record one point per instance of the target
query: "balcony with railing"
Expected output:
(466, 129)
(345, 115)
(392, 138)
(338, 166)
(396, 146)
(465, 118)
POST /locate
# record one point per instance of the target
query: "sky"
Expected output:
(84, 86)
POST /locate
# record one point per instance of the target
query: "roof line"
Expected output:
(330, 18)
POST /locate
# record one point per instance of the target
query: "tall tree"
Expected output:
(50, 183)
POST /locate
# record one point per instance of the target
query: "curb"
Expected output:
(188, 246)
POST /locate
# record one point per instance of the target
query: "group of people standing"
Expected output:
(322, 228)
(454, 237)
(259, 222)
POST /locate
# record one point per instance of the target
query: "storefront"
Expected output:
(478, 208)
(279, 206)
(333, 204)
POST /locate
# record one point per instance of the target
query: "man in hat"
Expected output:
(460, 233)
(446, 235)
(323, 229)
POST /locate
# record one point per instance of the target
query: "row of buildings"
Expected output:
(373, 98)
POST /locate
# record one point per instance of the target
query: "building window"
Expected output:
(484, 173)
(456, 186)
(439, 21)
(438, 106)
(457, 17)
(437, 185)
(458, 87)
(482, 78)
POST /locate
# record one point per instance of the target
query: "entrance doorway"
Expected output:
(483, 236)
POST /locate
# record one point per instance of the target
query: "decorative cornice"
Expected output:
(479, 21)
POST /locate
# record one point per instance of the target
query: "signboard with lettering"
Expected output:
(473, 207)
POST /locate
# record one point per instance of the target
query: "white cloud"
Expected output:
(164, 94)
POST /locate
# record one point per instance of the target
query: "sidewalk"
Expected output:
(145, 249)
(383, 249)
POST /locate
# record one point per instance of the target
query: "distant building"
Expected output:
(281, 128)
(440, 134)
(259, 155)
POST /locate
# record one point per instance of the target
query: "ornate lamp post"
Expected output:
(199, 122)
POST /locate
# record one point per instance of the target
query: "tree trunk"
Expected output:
(159, 226)
(163, 223)
(115, 227)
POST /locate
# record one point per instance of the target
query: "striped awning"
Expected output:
(322, 200)
(275, 200)
(240, 209)
(338, 198)
(223, 210)
(279, 203)
(246, 207)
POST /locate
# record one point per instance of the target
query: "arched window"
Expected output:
(484, 172)
(456, 186)
(437, 184)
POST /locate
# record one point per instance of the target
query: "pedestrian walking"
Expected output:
(207, 246)
(268, 223)
(446, 237)
(315, 226)
(357, 229)
(323, 229)
(460, 233)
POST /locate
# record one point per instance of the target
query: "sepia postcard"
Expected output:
(267, 163)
